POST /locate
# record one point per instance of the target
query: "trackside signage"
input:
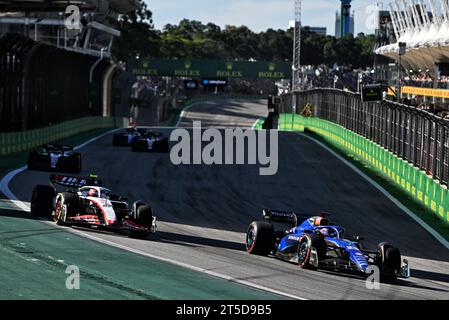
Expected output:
(210, 68)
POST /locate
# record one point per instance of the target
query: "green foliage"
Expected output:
(192, 39)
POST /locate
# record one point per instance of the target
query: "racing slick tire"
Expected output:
(260, 238)
(306, 244)
(136, 206)
(390, 262)
(42, 201)
(143, 216)
(71, 201)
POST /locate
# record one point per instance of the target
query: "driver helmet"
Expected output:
(93, 193)
(324, 232)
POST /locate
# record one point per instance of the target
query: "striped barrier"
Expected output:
(13, 142)
(409, 178)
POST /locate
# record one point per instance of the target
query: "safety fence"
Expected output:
(13, 142)
(414, 135)
(401, 144)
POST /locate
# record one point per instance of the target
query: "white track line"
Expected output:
(183, 112)
(410, 213)
(25, 206)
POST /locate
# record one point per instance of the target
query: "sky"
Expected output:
(260, 15)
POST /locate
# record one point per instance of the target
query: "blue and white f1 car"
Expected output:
(150, 142)
(125, 138)
(315, 243)
(55, 157)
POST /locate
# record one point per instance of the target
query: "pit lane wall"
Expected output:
(409, 178)
(13, 142)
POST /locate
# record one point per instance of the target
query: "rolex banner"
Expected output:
(210, 69)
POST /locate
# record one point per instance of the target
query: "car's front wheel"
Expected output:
(390, 261)
(306, 244)
(66, 205)
(143, 216)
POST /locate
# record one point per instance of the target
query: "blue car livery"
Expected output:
(315, 243)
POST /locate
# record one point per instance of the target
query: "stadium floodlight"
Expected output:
(297, 46)
(401, 52)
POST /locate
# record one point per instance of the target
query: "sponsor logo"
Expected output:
(225, 147)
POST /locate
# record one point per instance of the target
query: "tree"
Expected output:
(138, 36)
(191, 39)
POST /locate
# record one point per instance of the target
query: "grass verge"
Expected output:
(425, 214)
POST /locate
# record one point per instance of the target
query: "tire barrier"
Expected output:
(13, 142)
(412, 180)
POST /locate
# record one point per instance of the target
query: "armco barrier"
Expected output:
(13, 142)
(409, 178)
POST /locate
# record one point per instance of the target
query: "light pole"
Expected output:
(91, 75)
(401, 52)
(35, 28)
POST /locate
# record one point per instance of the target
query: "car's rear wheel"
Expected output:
(136, 206)
(42, 201)
(67, 205)
(260, 238)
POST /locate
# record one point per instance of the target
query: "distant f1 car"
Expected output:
(150, 141)
(125, 138)
(87, 203)
(314, 243)
(55, 157)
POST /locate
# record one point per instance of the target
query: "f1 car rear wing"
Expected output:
(281, 216)
(74, 182)
(57, 147)
(287, 216)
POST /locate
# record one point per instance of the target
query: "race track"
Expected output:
(204, 211)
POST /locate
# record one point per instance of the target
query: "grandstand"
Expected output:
(423, 27)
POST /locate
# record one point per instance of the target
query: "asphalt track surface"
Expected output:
(204, 212)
